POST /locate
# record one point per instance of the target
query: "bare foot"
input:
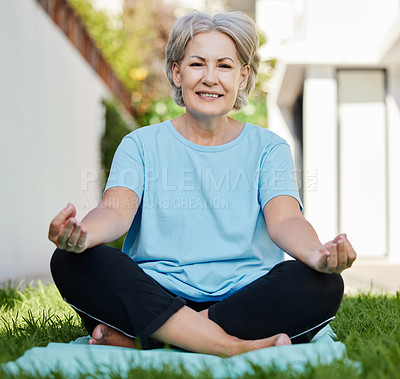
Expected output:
(283, 339)
(104, 335)
(250, 345)
(276, 340)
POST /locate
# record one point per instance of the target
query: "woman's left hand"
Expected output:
(334, 256)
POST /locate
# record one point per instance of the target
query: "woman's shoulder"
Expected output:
(143, 138)
(147, 131)
(265, 136)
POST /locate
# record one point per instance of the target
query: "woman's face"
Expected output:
(210, 74)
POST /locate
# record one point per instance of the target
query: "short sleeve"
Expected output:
(127, 169)
(277, 175)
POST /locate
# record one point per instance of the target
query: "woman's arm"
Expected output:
(110, 220)
(288, 228)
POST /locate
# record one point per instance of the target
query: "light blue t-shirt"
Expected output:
(200, 230)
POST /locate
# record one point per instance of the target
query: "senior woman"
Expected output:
(210, 204)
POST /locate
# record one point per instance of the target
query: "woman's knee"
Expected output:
(327, 288)
(336, 287)
(65, 264)
(57, 260)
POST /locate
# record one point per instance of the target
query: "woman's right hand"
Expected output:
(67, 232)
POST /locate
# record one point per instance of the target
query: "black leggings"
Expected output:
(105, 285)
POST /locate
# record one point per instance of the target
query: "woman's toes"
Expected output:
(105, 335)
(283, 339)
(97, 334)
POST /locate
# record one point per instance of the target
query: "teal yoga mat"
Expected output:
(78, 357)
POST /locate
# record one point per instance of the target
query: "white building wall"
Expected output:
(326, 31)
(393, 151)
(51, 121)
(363, 162)
(279, 117)
(320, 151)
(320, 37)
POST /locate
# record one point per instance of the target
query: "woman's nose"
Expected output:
(210, 76)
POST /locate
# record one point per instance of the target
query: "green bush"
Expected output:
(255, 112)
(116, 127)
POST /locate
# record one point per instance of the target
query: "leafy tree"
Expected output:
(133, 43)
(116, 127)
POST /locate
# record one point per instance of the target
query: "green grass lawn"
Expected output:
(369, 325)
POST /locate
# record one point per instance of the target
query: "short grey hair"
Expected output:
(237, 25)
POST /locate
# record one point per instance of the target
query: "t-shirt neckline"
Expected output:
(216, 148)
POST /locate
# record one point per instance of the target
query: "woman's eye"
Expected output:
(224, 65)
(196, 64)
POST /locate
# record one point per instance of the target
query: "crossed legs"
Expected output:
(118, 302)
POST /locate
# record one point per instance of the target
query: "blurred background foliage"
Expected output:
(133, 43)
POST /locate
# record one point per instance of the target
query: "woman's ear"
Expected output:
(244, 76)
(176, 74)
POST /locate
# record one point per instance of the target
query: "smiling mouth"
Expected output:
(209, 95)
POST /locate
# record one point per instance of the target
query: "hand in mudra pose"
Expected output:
(67, 232)
(334, 256)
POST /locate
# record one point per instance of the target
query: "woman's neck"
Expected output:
(208, 131)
